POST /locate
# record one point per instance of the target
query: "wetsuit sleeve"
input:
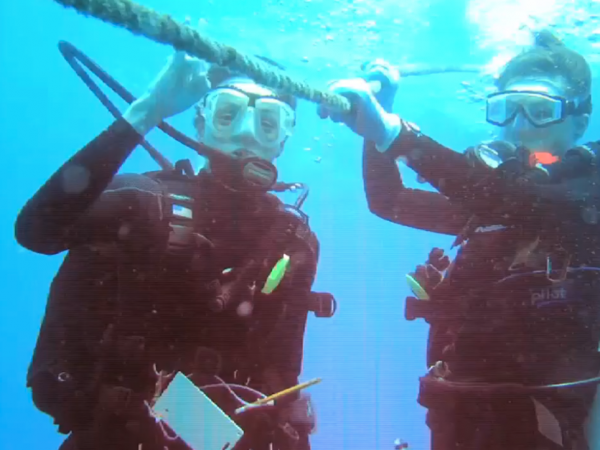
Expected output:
(389, 199)
(465, 184)
(83, 202)
(448, 171)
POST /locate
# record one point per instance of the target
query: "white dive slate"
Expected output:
(196, 418)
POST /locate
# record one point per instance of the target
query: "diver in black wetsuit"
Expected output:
(169, 272)
(519, 308)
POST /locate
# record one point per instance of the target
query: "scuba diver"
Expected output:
(204, 274)
(515, 318)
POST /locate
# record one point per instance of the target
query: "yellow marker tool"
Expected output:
(416, 288)
(278, 395)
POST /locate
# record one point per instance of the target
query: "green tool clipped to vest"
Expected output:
(276, 275)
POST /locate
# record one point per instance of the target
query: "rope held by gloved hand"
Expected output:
(163, 29)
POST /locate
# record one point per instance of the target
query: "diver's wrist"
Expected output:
(393, 126)
(141, 115)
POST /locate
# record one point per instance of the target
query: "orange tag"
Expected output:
(544, 158)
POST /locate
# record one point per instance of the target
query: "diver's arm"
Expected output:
(466, 184)
(66, 210)
(448, 171)
(389, 199)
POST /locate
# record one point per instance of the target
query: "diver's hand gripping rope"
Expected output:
(164, 29)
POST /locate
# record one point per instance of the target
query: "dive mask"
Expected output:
(541, 109)
(229, 110)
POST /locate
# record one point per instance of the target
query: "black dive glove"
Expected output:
(431, 274)
(123, 385)
(295, 421)
(300, 414)
(287, 426)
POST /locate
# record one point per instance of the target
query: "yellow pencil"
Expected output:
(278, 395)
(288, 391)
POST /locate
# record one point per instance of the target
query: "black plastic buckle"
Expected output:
(418, 309)
(322, 304)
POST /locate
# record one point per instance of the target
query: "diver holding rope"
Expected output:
(205, 274)
(515, 318)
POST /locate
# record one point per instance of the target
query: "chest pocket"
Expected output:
(185, 247)
(180, 215)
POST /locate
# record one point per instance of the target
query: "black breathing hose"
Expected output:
(77, 59)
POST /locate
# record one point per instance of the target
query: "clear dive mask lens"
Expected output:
(540, 109)
(229, 111)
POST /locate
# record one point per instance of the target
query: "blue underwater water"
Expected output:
(368, 355)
